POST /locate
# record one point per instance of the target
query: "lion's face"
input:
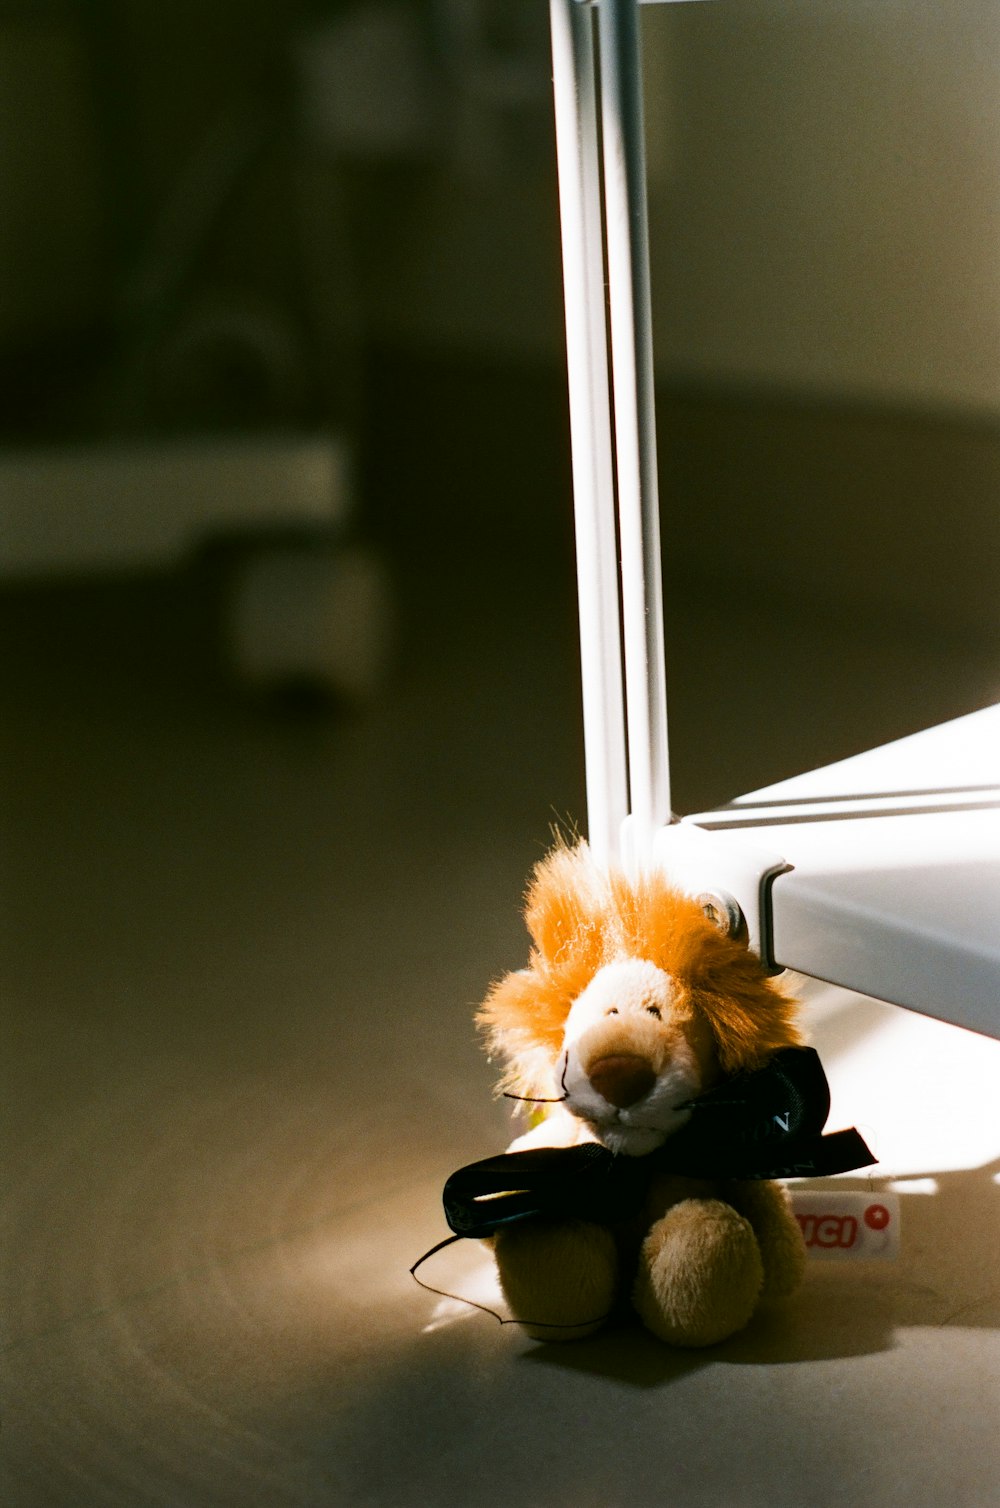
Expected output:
(633, 1057)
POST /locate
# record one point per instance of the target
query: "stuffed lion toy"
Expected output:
(632, 1006)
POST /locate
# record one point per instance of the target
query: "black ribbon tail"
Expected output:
(822, 1156)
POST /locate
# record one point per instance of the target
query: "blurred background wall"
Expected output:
(279, 214)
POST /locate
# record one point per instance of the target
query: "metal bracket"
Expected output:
(719, 869)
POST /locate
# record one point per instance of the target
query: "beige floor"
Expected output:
(241, 950)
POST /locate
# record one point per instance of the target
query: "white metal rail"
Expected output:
(600, 126)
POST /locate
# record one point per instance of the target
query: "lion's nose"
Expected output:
(622, 1079)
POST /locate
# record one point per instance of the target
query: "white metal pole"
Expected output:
(576, 112)
(632, 369)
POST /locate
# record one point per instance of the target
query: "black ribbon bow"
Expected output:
(766, 1124)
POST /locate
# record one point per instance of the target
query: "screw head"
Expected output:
(723, 911)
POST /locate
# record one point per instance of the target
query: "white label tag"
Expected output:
(847, 1225)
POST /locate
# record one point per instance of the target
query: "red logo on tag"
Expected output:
(877, 1217)
(828, 1230)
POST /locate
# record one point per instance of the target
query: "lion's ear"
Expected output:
(522, 1019)
(566, 908)
(524, 1013)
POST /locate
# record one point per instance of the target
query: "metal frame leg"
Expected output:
(576, 110)
(618, 119)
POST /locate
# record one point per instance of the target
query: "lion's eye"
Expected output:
(654, 1010)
